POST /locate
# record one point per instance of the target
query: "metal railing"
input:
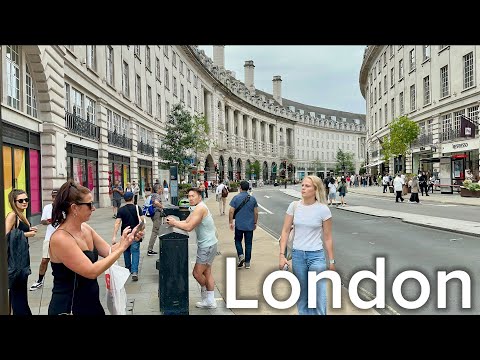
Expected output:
(122, 141)
(451, 134)
(81, 127)
(423, 140)
(145, 148)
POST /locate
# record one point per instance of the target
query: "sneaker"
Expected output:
(151, 253)
(205, 304)
(134, 277)
(247, 265)
(241, 261)
(37, 285)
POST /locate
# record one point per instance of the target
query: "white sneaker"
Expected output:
(205, 304)
(37, 285)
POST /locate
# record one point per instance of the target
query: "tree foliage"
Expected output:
(344, 162)
(201, 139)
(255, 168)
(402, 132)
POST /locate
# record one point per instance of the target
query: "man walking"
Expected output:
(46, 220)
(157, 219)
(222, 193)
(117, 194)
(398, 187)
(244, 210)
(136, 191)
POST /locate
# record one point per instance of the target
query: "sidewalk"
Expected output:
(458, 226)
(143, 294)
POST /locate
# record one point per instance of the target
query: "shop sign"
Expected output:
(459, 146)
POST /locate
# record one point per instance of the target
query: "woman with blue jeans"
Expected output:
(312, 220)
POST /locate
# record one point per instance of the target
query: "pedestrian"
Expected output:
(136, 191)
(45, 220)
(313, 235)
(222, 194)
(342, 191)
(117, 192)
(244, 210)
(415, 188)
(128, 187)
(201, 220)
(18, 298)
(129, 215)
(398, 187)
(332, 191)
(156, 200)
(74, 251)
(147, 190)
(165, 189)
(205, 184)
(156, 185)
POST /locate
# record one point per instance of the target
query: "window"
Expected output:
(392, 76)
(372, 100)
(90, 107)
(13, 76)
(136, 51)
(426, 90)
(430, 126)
(195, 80)
(413, 103)
(167, 82)
(182, 93)
(375, 94)
(385, 58)
(124, 126)
(422, 128)
(441, 47)
(126, 76)
(379, 90)
(400, 69)
(159, 107)
(174, 59)
(189, 99)
(385, 84)
(468, 70)
(412, 59)
(393, 108)
(67, 97)
(473, 114)
(110, 65)
(31, 94)
(157, 68)
(456, 121)
(391, 51)
(386, 114)
(181, 67)
(92, 57)
(188, 75)
(175, 86)
(446, 126)
(195, 107)
(77, 103)
(165, 51)
(426, 52)
(444, 81)
(167, 107)
(149, 100)
(138, 91)
(148, 63)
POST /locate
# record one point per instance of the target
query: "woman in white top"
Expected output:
(313, 232)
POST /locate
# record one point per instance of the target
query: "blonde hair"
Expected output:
(320, 195)
(11, 199)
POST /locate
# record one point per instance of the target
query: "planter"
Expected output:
(469, 193)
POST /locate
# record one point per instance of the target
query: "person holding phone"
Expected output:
(129, 215)
(75, 248)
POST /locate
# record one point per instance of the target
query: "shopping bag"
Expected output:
(115, 278)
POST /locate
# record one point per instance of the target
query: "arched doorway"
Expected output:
(221, 169)
(230, 169)
(274, 171)
(238, 174)
(248, 170)
(265, 171)
(209, 168)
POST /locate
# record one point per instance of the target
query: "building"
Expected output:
(434, 85)
(97, 114)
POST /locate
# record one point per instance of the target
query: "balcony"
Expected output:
(423, 140)
(145, 149)
(122, 141)
(452, 134)
(81, 127)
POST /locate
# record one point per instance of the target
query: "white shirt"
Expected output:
(308, 221)
(220, 188)
(332, 188)
(398, 184)
(46, 215)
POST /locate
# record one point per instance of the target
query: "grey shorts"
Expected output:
(116, 202)
(206, 255)
(332, 196)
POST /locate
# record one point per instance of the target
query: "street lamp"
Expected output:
(286, 173)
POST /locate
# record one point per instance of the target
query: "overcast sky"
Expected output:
(319, 75)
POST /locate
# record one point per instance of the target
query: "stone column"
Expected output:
(231, 129)
(134, 175)
(155, 143)
(104, 197)
(208, 112)
(241, 138)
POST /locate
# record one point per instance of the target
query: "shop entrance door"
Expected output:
(14, 173)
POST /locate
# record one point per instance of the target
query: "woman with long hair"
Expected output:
(18, 200)
(74, 251)
(312, 220)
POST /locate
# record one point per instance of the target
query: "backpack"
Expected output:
(224, 191)
(148, 209)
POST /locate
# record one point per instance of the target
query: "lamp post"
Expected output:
(286, 174)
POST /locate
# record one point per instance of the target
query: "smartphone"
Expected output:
(141, 226)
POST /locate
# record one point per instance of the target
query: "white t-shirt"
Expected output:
(332, 188)
(47, 214)
(308, 221)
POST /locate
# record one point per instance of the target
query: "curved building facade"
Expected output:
(434, 85)
(97, 114)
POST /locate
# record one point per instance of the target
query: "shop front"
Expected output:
(460, 162)
(21, 167)
(423, 160)
(145, 174)
(118, 169)
(82, 167)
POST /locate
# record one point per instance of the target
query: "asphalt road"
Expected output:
(360, 239)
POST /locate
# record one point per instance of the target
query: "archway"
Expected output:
(209, 168)
(248, 170)
(230, 169)
(265, 171)
(221, 168)
(238, 174)
(274, 171)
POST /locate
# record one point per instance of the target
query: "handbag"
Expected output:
(291, 235)
(115, 278)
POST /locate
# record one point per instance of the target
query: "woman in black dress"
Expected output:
(74, 250)
(18, 200)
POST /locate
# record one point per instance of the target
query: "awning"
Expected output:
(375, 163)
(430, 160)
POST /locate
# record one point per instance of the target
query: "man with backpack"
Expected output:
(222, 193)
(156, 200)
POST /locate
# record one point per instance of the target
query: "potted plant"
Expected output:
(470, 189)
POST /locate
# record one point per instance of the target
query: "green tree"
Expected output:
(201, 139)
(344, 162)
(402, 132)
(256, 169)
(248, 171)
(363, 169)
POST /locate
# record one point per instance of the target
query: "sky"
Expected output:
(318, 75)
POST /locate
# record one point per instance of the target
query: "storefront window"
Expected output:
(35, 198)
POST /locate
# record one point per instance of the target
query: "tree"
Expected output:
(344, 162)
(255, 168)
(248, 171)
(201, 140)
(402, 132)
(318, 165)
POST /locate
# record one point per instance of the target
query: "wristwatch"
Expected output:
(332, 261)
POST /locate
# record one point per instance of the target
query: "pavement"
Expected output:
(143, 294)
(441, 223)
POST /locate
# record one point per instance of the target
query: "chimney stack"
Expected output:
(277, 88)
(249, 78)
(219, 56)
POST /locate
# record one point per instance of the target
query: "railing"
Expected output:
(122, 141)
(451, 134)
(423, 140)
(81, 127)
(145, 149)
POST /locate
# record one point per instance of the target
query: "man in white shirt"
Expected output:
(46, 220)
(385, 181)
(222, 197)
(398, 187)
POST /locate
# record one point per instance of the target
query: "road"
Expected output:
(359, 239)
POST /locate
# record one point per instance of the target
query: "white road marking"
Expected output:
(456, 239)
(268, 197)
(371, 243)
(262, 212)
(268, 211)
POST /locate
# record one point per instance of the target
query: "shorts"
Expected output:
(342, 193)
(46, 249)
(206, 255)
(116, 202)
(332, 196)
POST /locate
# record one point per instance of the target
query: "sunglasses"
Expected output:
(90, 204)
(22, 200)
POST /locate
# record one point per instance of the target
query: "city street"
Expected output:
(359, 239)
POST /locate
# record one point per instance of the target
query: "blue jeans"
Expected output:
(239, 234)
(302, 263)
(132, 257)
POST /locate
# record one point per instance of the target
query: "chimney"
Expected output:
(219, 56)
(249, 78)
(277, 88)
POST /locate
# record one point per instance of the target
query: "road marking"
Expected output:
(371, 243)
(456, 239)
(262, 212)
(268, 197)
(268, 211)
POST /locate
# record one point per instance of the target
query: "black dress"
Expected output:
(85, 296)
